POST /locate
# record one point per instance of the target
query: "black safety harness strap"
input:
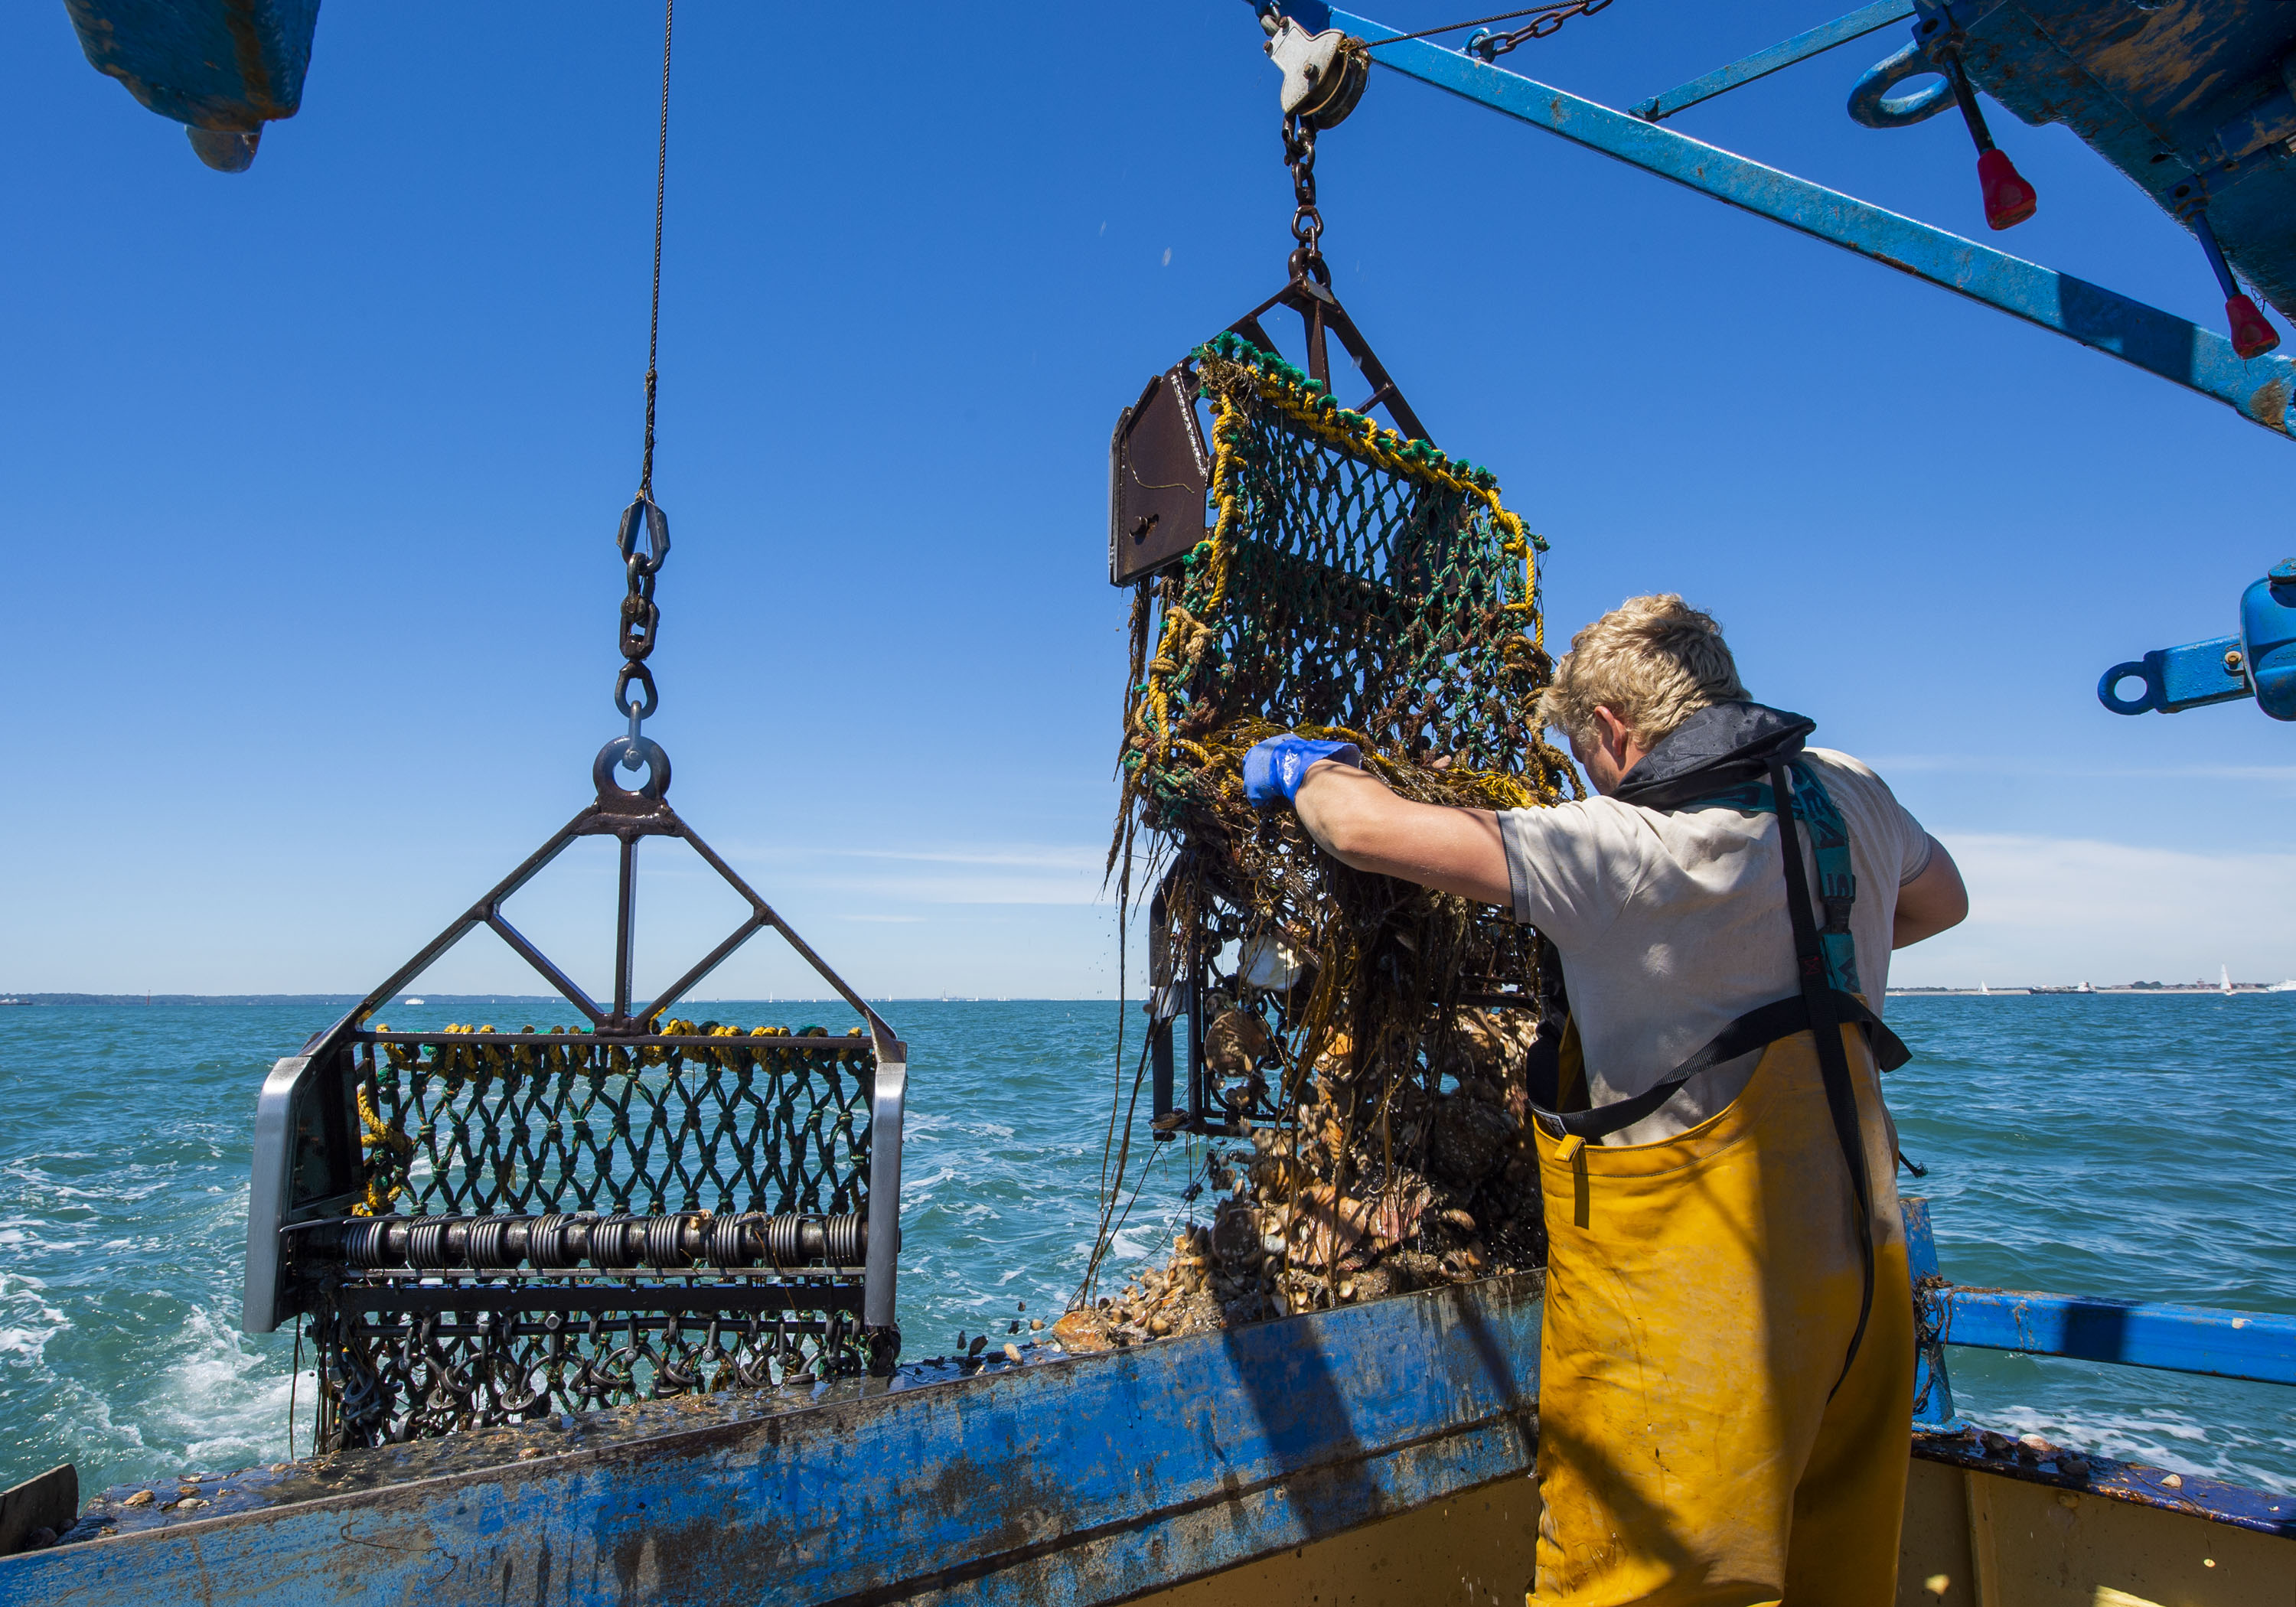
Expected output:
(1833, 1063)
(1756, 1029)
(1818, 1009)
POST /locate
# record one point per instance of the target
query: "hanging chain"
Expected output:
(644, 535)
(1306, 222)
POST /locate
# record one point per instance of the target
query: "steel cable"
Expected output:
(660, 193)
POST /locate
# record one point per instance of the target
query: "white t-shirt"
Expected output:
(1673, 924)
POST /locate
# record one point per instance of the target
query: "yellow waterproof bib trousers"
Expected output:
(1701, 1293)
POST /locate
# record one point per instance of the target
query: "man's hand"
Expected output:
(1932, 901)
(1360, 823)
(1274, 765)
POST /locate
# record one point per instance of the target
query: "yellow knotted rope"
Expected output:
(1186, 636)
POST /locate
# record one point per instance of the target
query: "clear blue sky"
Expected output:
(311, 473)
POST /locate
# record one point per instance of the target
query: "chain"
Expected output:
(645, 542)
(644, 535)
(1490, 46)
(1306, 222)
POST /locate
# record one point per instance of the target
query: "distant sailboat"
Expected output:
(2224, 979)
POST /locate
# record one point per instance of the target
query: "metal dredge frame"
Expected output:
(309, 1169)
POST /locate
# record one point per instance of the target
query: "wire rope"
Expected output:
(661, 193)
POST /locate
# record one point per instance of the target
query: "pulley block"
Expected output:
(1324, 74)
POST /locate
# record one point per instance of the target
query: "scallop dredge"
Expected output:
(1361, 1052)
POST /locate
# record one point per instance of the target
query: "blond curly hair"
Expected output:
(1653, 661)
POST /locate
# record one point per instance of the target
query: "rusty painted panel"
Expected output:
(2187, 98)
(2230, 1505)
(1070, 1481)
(210, 63)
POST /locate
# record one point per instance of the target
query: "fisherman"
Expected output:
(1727, 1363)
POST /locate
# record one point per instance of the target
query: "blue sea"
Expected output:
(2136, 1146)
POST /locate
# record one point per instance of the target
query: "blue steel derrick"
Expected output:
(1856, 25)
(2159, 342)
(2191, 103)
(2229, 182)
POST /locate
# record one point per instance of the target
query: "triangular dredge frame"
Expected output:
(320, 1141)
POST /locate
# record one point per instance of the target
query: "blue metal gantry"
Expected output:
(2260, 389)
(2210, 138)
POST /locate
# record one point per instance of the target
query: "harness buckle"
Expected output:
(1837, 912)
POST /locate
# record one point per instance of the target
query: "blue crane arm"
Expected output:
(1856, 25)
(2159, 342)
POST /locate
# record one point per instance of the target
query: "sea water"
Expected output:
(2134, 1146)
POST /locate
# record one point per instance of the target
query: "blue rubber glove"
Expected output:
(1274, 766)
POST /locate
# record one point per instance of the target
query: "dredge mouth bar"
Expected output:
(415, 1246)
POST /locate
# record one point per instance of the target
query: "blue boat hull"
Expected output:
(1067, 1481)
(1372, 1453)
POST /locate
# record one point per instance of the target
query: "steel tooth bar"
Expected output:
(2156, 342)
(1762, 64)
(645, 1303)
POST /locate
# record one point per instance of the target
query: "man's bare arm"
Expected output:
(1932, 901)
(1360, 823)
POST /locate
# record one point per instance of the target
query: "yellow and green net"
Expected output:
(1361, 585)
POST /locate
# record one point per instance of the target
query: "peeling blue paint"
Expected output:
(1066, 1481)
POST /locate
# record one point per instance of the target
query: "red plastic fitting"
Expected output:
(2253, 335)
(2009, 200)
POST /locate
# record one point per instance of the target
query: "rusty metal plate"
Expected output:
(1159, 472)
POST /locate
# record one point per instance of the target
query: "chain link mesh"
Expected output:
(603, 1129)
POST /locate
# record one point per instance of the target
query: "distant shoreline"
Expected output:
(2119, 990)
(344, 1001)
(545, 1002)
